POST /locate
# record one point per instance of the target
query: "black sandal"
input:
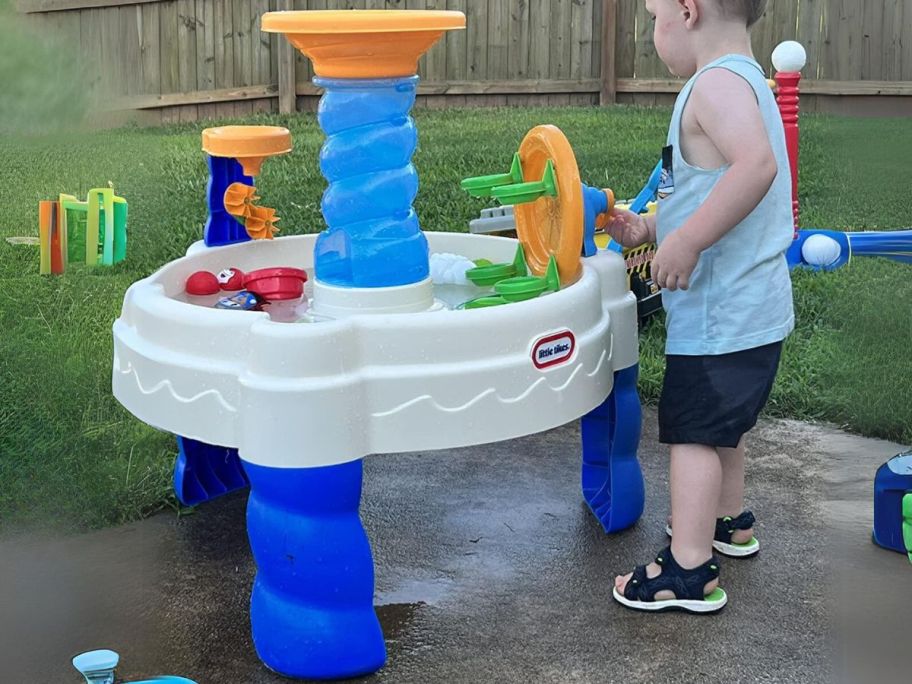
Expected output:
(688, 586)
(725, 528)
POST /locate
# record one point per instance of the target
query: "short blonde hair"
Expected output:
(749, 10)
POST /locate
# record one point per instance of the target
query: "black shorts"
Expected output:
(715, 400)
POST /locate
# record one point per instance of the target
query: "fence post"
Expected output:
(286, 57)
(608, 94)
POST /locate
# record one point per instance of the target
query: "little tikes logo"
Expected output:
(553, 350)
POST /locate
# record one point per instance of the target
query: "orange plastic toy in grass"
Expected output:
(363, 43)
(250, 145)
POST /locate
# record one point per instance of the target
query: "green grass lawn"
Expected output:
(71, 456)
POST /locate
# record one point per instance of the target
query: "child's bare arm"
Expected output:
(725, 107)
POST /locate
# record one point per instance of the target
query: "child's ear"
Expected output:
(690, 11)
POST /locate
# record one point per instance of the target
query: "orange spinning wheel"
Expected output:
(551, 225)
(555, 212)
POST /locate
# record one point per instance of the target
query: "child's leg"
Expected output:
(696, 479)
(731, 499)
(696, 482)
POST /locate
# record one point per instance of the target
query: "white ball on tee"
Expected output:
(789, 56)
(820, 250)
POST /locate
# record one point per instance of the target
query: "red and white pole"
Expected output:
(789, 59)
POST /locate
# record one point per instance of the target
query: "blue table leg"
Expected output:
(203, 472)
(312, 610)
(612, 480)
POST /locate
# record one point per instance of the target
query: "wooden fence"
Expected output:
(187, 59)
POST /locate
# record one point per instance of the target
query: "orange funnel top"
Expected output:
(363, 43)
(250, 145)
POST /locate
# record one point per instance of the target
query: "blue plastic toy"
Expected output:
(98, 668)
(203, 472)
(221, 227)
(893, 504)
(892, 244)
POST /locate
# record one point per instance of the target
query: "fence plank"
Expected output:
(150, 48)
(205, 45)
(303, 67)
(186, 45)
(498, 39)
(240, 20)
(456, 46)
(273, 39)
(810, 19)
(477, 39)
(608, 70)
(845, 50)
(167, 37)
(893, 38)
(186, 51)
(435, 61)
(539, 38)
(581, 39)
(518, 51)
(223, 32)
(907, 43)
(597, 7)
(130, 39)
(287, 95)
(559, 39)
(261, 44)
(872, 40)
(647, 63)
(625, 38)
(205, 54)
(90, 49)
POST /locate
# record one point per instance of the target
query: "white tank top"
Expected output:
(740, 294)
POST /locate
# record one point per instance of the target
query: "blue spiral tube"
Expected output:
(373, 238)
(311, 610)
(221, 227)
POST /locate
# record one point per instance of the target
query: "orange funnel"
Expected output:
(363, 43)
(250, 145)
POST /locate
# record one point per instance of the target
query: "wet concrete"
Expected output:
(491, 569)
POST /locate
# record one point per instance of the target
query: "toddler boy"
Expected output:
(723, 225)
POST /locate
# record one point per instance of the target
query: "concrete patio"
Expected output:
(491, 569)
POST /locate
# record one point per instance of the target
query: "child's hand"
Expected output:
(674, 262)
(628, 229)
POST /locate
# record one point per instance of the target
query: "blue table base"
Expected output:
(311, 609)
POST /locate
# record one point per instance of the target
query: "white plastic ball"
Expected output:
(789, 57)
(820, 250)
